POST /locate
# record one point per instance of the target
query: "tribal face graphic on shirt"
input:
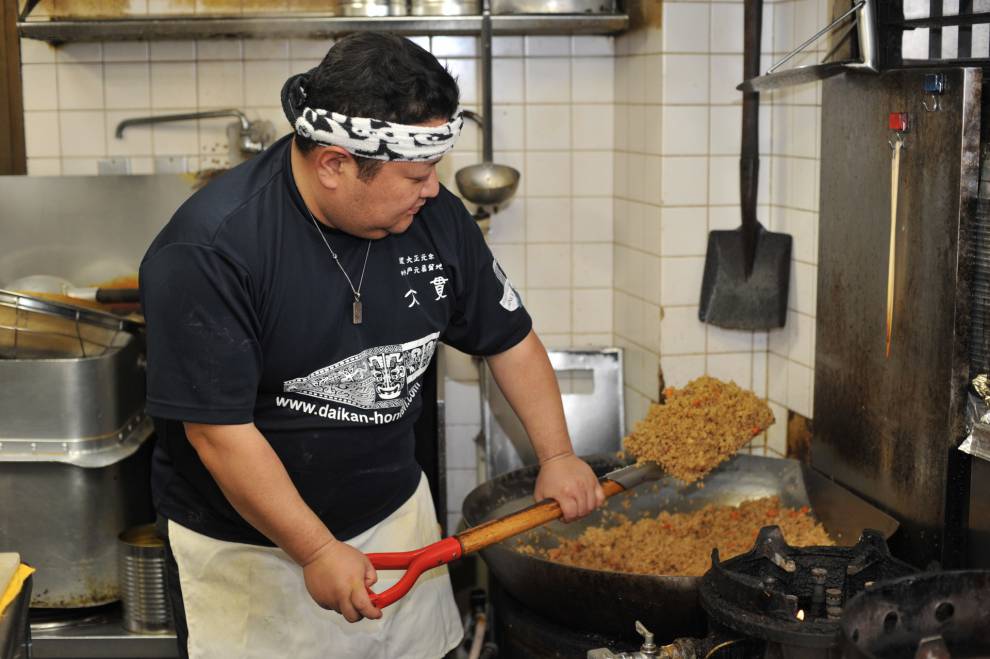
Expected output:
(375, 378)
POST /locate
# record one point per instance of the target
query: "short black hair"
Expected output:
(380, 76)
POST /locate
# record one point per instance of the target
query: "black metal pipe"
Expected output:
(978, 18)
(486, 82)
(749, 158)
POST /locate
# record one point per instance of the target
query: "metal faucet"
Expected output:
(248, 142)
(648, 650)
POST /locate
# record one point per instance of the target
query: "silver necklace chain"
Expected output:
(356, 307)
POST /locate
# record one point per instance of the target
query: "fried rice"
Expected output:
(680, 544)
(698, 427)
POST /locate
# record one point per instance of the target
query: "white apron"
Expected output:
(248, 601)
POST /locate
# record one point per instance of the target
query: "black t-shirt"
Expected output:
(249, 320)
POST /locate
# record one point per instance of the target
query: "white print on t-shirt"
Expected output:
(411, 291)
(510, 299)
(438, 284)
(375, 378)
(337, 413)
(416, 258)
(419, 264)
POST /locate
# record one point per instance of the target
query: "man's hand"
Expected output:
(337, 578)
(570, 481)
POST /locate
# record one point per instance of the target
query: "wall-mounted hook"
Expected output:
(934, 86)
(899, 123)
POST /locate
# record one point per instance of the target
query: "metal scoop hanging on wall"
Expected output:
(488, 185)
(747, 270)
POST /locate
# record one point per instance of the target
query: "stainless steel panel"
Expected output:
(978, 513)
(978, 522)
(64, 520)
(102, 639)
(887, 428)
(595, 418)
(83, 228)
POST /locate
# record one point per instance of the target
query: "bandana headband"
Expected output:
(360, 136)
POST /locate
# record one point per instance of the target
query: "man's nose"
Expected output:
(432, 186)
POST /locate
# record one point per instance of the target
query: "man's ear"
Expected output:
(331, 163)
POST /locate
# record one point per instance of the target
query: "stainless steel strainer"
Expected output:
(35, 328)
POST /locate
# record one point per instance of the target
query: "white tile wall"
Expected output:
(628, 148)
(553, 120)
(675, 98)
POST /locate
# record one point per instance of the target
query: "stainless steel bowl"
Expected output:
(445, 7)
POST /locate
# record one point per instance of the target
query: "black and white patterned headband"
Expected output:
(360, 136)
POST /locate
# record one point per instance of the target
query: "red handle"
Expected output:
(415, 563)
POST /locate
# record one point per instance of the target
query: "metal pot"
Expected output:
(554, 7)
(374, 8)
(75, 459)
(64, 520)
(445, 7)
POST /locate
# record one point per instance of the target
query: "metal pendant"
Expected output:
(356, 312)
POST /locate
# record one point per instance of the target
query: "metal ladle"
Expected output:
(486, 184)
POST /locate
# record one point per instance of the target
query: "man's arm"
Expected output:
(255, 481)
(525, 376)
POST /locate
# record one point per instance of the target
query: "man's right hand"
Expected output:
(338, 577)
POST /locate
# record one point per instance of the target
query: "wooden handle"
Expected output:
(118, 295)
(538, 514)
(895, 171)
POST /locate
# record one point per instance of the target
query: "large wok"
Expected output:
(608, 602)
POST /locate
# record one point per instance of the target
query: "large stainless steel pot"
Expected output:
(74, 451)
(608, 602)
(64, 520)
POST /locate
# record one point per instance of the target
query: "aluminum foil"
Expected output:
(977, 443)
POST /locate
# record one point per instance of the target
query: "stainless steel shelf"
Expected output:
(311, 26)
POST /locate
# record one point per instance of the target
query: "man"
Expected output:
(293, 306)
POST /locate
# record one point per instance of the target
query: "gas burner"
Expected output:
(793, 596)
(927, 616)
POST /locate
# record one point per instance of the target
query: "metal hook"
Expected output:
(936, 104)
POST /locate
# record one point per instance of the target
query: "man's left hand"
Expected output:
(571, 483)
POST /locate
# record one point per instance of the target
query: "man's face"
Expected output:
(386, 203)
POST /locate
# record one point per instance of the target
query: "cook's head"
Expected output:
(372, 121)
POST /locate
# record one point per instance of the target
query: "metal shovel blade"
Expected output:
(732, 300)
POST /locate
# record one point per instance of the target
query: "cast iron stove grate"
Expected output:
(792, 597)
